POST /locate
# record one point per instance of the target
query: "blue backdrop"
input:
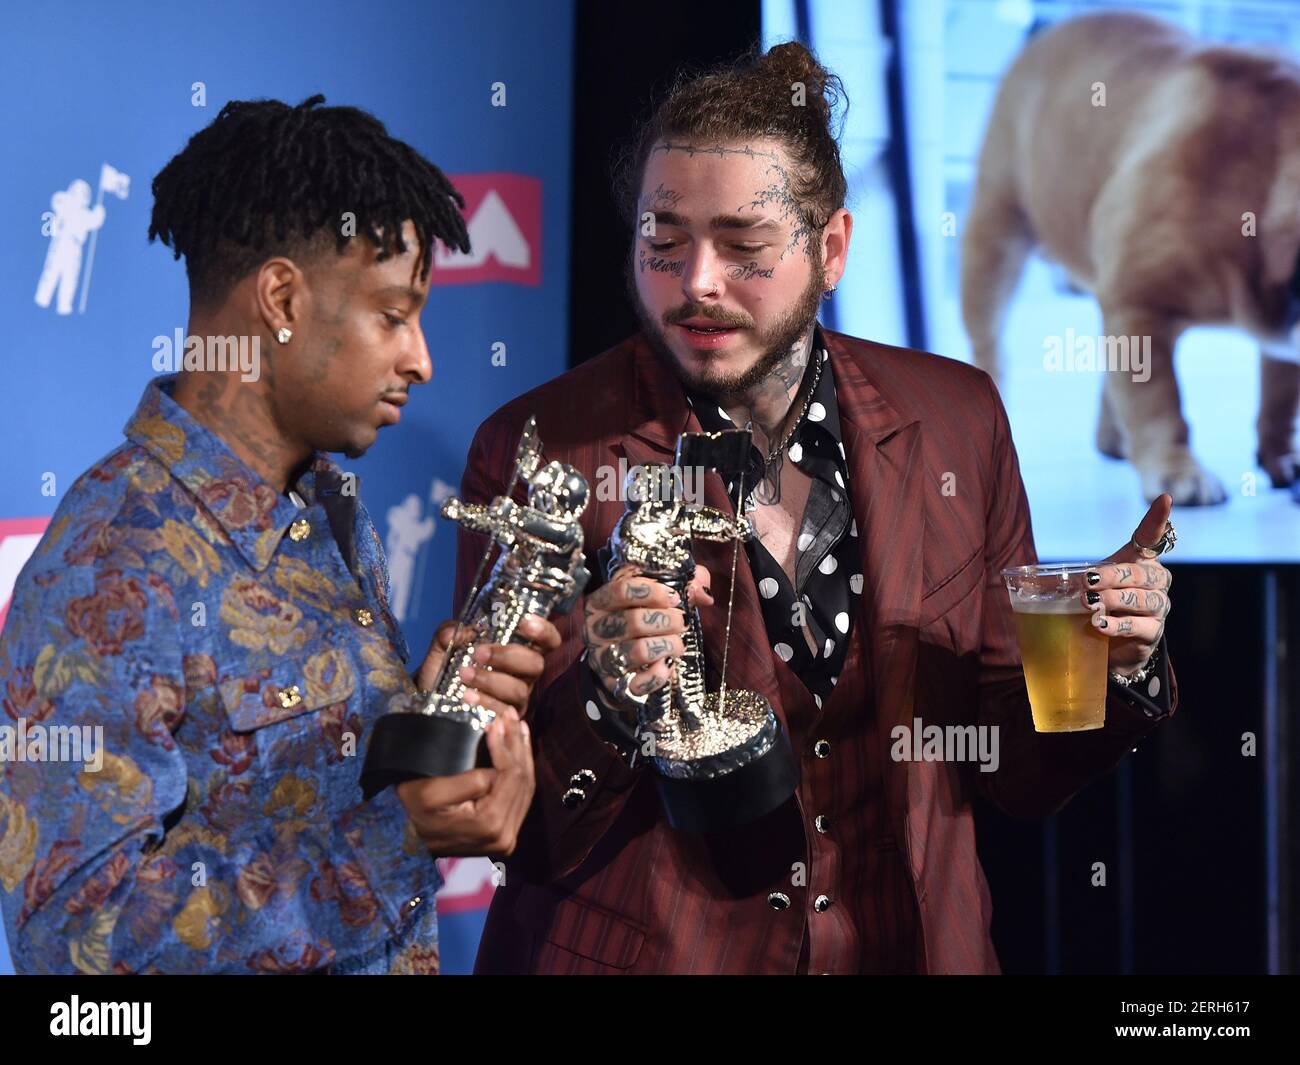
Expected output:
(107, 94)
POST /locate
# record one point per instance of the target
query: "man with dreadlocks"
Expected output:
(208, 613)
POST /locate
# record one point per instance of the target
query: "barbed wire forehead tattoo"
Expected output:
(777, 194)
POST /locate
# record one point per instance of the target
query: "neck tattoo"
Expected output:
(768, 490)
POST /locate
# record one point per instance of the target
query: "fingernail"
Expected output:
(676, 598)
(470, 696)
(1102, 623)
(467, 673)
(532, 622)
(1092, 597)
(1093, 576)
(482, 653)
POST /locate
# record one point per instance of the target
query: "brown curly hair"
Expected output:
(750, 98)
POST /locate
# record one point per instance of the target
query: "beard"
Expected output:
(775, 341)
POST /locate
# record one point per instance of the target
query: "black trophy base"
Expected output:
(717, 804)
(412, 746)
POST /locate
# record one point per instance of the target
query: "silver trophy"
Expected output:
(721, 758)
(541, 570)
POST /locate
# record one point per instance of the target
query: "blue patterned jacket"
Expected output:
(190, 667)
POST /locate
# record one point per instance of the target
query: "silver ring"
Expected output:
(617, 657)
(1161, 546)
(623, 689)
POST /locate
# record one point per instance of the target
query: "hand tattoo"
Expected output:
(611, 626)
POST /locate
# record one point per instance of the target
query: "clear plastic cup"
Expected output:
(1064, 655)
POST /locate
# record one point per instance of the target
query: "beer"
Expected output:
(1065, 665)
(1064, 656)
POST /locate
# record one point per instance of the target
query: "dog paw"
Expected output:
(1282, 470)
(1110, 440)
(1186, 480)
(1109, 437)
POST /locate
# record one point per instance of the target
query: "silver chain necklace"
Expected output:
(775, 453)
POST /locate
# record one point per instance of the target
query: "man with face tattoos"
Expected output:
(869, 599)
(211, 600)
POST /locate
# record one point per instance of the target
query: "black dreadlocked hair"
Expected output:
(265, 178)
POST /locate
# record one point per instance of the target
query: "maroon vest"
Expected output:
(869, 923)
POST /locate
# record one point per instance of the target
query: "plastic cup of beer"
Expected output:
(1064, 656)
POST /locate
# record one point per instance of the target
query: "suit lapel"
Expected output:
(883, 449)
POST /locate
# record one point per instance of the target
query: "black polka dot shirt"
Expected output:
(828, 567)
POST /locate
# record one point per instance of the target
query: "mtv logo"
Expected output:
(503, 213)
(18, 539)
(468, 884)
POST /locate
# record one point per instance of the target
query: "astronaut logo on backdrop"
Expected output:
(70, 221)
(411, 525)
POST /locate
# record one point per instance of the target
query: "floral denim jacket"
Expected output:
(221, 654)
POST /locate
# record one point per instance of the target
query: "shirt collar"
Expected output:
(251, 512)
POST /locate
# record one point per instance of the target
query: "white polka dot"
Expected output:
(835, 495)
(818, 700)
(853, 529)
(767, 587)
(804, 540)
(828, 565)
(835, 680)
(842, 621)
(838, 479)
(816, 412)
(1153, 688)
(795, 451)
(784, 651)
(593, 711)
(846, 457)
(825, 355)
(855, 583)
(724, 414)
(830, 647)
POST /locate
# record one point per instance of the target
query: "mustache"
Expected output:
(713, 314)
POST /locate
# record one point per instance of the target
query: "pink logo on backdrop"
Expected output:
(468, 884)
(503, 213)
(18, 539)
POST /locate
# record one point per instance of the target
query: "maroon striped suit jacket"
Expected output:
(607, 886)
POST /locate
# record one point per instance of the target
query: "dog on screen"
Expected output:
(1163, 175)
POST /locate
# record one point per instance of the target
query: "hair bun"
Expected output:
(784, 94)
(791, 62)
